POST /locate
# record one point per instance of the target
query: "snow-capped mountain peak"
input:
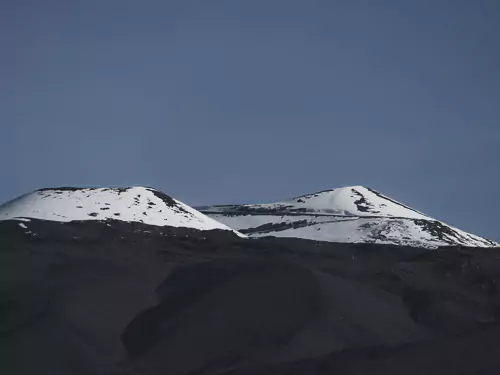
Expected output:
(132, 204)
(347, 201)
(347, 214)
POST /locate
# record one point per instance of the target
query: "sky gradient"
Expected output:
(255, 101)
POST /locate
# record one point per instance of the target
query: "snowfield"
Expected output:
(133, 204)
(351, 214)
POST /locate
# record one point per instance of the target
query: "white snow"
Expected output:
(23, 225)
(342, 201)
(349, 214)
(134, 204)
(396, 231)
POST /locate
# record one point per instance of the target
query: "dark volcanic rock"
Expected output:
(127, 298)
(472, 354)
(275, 227)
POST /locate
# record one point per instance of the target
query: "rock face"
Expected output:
(92, 297)
(296, 312)
(353, 214)
(131, 204)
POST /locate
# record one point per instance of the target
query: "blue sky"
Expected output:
(255, 101)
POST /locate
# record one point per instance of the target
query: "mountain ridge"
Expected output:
(352, 214)
(136, 204)
(347, 214)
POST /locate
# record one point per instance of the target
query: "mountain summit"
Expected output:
(131, 204)
(349, 214)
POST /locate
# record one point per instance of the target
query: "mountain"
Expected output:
(130, 204)
(85, 298)
(350, 214)
(84, 291)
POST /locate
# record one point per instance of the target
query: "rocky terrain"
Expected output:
(122, 298)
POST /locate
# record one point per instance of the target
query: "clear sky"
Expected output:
(256, 100)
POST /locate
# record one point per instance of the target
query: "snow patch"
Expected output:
(350, 214)
(133, 204)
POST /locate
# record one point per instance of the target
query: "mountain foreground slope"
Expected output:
(351, 214)
(126, 298)
(130, 204)
(132, 282)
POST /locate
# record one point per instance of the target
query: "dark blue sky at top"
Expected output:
(256, 100)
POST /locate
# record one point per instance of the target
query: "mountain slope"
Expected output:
(132, 204)
(349, 214)
(118, 301)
